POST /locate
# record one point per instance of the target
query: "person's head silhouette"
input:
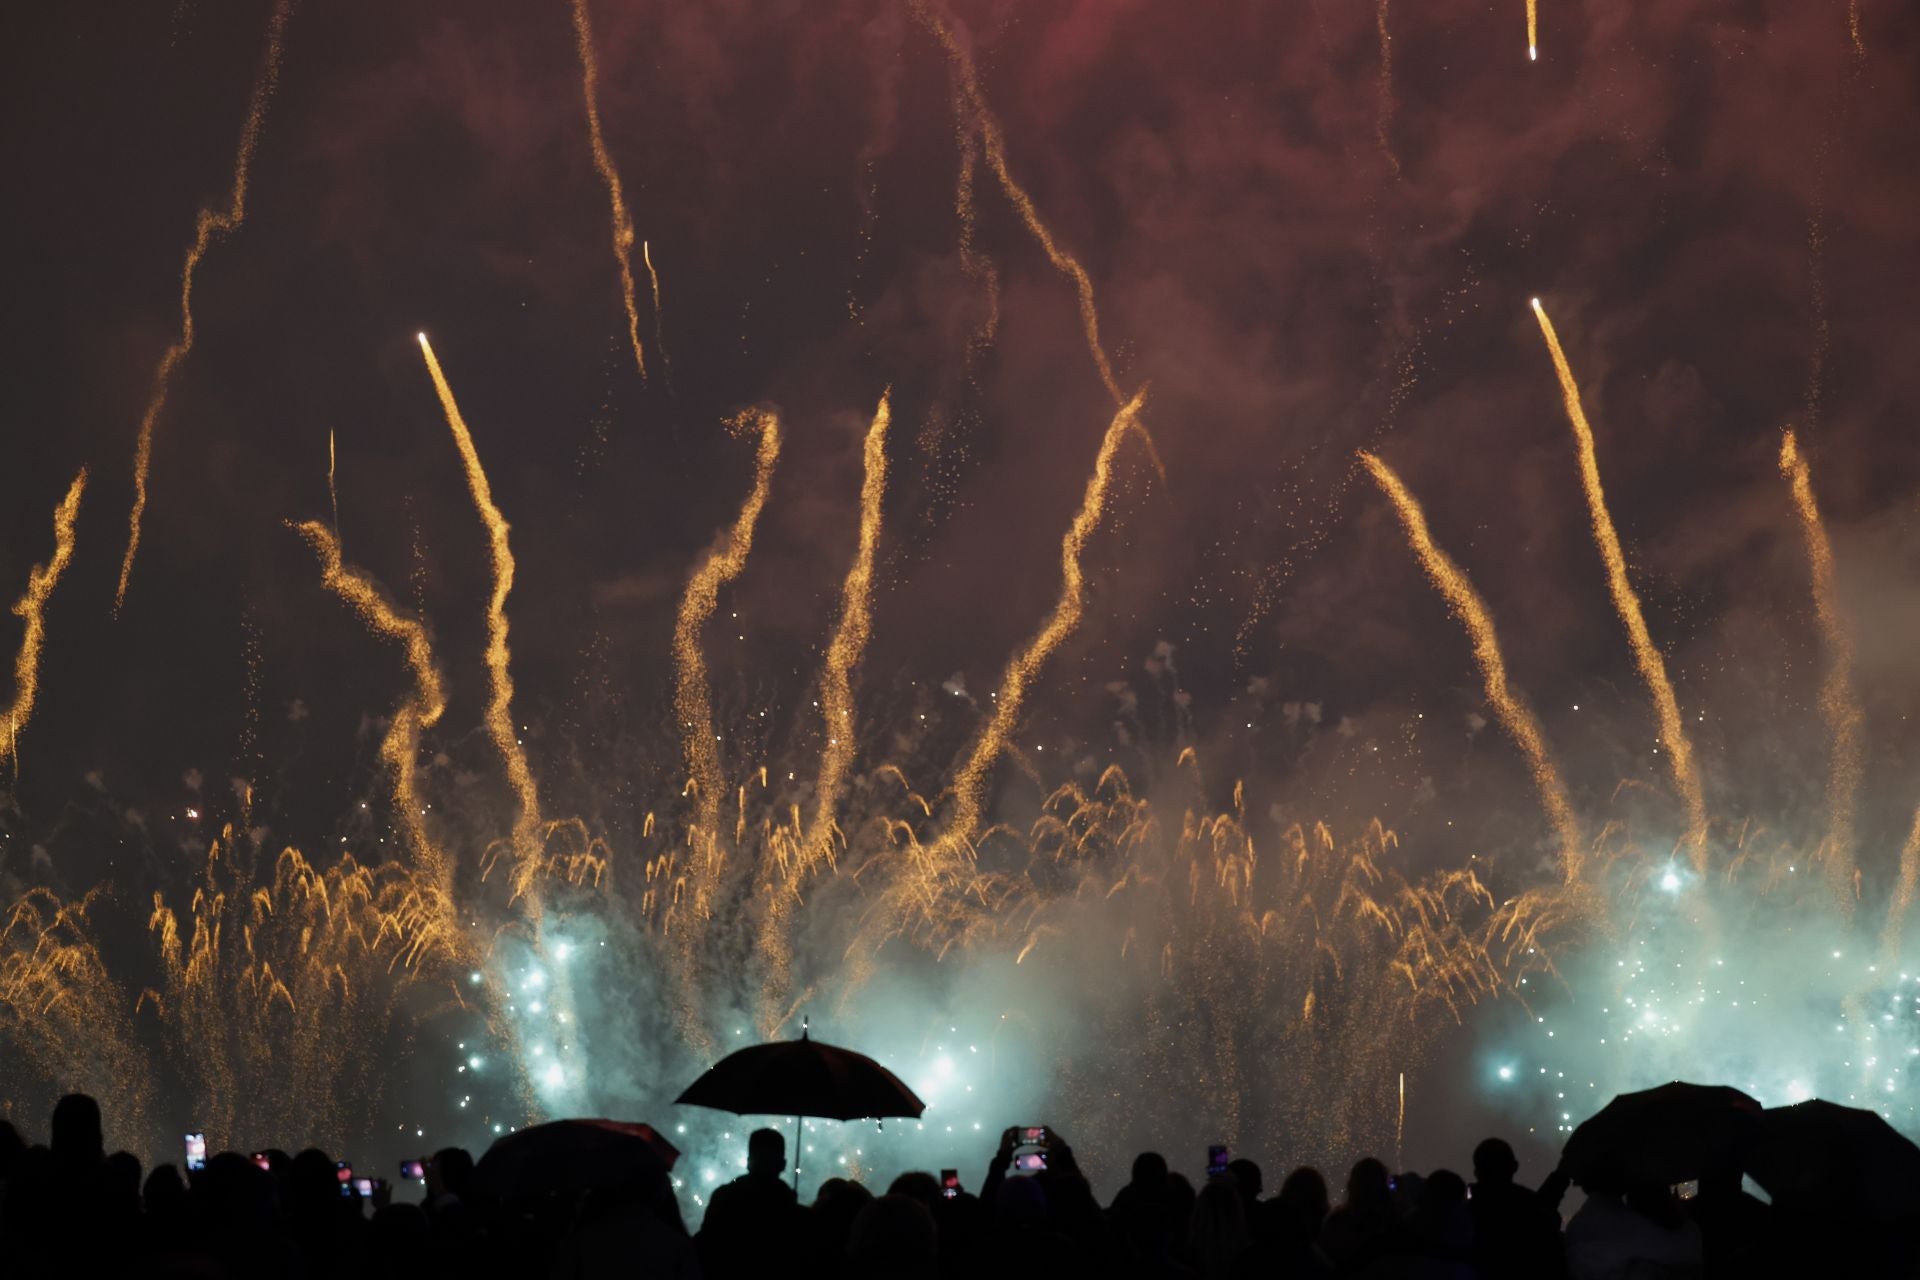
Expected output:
(1150, 1171)
(76, 1131)
(1494, 1163)
(766, 1153)
(1368, 1185)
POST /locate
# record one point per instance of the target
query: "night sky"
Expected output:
(1302, 246)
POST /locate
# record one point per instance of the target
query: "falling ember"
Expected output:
(1646, 655)
(1465, 603)
(211, 223)
(623, 235)
(31, 608)
(1846, 723)
(526, 840)
(1533, 30)
(970, 783)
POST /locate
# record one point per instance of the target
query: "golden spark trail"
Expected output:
(1465, 604)
(693, 698)
(848, 646)
(1903, 890)
(1646, 655)
(1383, 109)
(993, 138)
(211, 223)
(844, 651)
(1533, 30)
(623, 236)
(422, 709)
(1845, 720)
(970, 783)
(31, 608)
(659, 315)
(526, 840)
(333, 492)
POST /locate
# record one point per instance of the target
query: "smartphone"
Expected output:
(1216, 1161)
(261, 1159)
(414, 1170)
(343, 1171)
(950, 1183)
(1030, 1162)
(1034, 1135)
(196, 1152)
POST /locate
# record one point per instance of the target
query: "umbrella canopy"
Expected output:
(573, 1155)
(1816, 1154)
(1662, 1136)
(802, 1078)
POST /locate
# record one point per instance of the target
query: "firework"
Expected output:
(1846, 723)
(1383, 108)
(815, 852)
(1646, 655)
(1533, 30)
(527, 841)
(211, 224)
(659, 315)
(1465, 603)
(31, 608)
(623, 234)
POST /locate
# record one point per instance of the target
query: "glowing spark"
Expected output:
(970, 783)
(659, 315)
(333, 492)
(211, 223)
(1465, 603)
(1845, 721)
(1853, 28)
(1646, 655)
(31, 608)
(623, 236)
(1533, 30)
(422, 709)
(526, 827)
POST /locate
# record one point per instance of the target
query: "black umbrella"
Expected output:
(571, 1156)
(1817, 1154)
(802, 1078)
(1662, 1136)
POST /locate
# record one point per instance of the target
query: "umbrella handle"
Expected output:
(796, 1157)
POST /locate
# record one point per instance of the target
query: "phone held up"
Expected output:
(950, 1183)
(1216, 1161)
(196, 1152)
(414, 1170)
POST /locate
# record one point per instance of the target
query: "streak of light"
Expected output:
(1646, 655)
(623, 235)
(210, 224)
(31, 608)
(1465, 603)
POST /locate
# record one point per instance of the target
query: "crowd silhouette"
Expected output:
(70, 1209)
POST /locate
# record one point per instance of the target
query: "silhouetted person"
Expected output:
(76, 1141)
(1286, 1229)
(1365, 1228)
(1246, 1176)
(830, 1222)
(1217, 1234)
(1516, 1232)
(1149, 1183)
(633, 1228)
(1641, 1233)
(1442, 1229)
(1738, 1235)
(893, 1238)
(754, 1223)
